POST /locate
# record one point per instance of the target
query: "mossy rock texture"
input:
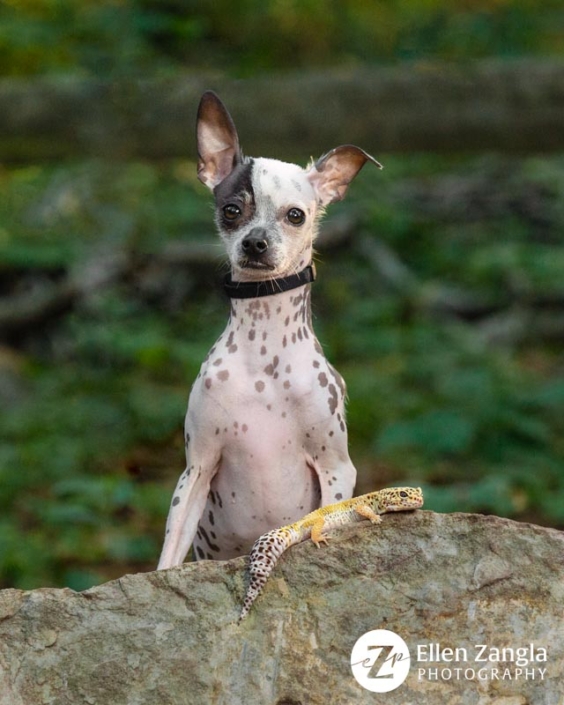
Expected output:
(457, 580)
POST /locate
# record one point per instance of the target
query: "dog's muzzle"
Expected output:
(254, 249)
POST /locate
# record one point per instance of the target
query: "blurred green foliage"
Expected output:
(91, 434)
(117, 37)
(94, 395)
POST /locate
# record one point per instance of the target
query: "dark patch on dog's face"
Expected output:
(236, 189)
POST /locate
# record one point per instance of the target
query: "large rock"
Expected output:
(456, 580)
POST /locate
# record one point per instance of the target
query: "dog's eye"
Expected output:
(231, 211)
(295, 216)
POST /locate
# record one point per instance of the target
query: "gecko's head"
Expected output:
(398, 499)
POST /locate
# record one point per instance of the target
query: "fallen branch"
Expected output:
(501, 105)
(503, 322)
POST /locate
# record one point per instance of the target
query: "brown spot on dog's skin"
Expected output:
(322, 377)
(208, 383)
(259, 386)
(230, 345)
(270, 369)
(333, 398)
(204, 533)
(339, 381)
(252, 334)
(223, 375)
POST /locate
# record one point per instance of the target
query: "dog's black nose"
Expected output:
(256, 243)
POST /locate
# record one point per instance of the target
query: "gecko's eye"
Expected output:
(403, 494)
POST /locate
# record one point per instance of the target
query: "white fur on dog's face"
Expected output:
(265, 191)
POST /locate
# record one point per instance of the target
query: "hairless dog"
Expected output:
(266, 440)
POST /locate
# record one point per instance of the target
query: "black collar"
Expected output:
(255, 290)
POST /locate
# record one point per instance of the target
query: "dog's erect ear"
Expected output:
(332, 173)
(218, 144)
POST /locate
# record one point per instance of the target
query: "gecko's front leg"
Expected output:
(368, 513)
(317, 535)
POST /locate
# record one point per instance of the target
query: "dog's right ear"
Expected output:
(218, 143)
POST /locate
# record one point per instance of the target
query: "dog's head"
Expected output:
(267, 210)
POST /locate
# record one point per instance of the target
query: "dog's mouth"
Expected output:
(255, 264)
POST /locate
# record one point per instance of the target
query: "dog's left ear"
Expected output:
(332, 173)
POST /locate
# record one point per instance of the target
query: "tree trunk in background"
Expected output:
(490, 105)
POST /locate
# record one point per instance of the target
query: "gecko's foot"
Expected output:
(376, 519)
(322, 538)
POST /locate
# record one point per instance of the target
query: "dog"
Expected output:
(265, 433)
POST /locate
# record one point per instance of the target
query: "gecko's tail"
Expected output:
(264, 555)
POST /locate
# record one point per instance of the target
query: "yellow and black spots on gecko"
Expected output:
(368, 506)
(268, 548)
(265, 553)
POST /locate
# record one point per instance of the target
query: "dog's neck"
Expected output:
(280, 322)
(237, 289)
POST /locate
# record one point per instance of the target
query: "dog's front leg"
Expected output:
(336, 474)
(188, 501)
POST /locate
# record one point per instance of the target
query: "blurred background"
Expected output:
(440, 295)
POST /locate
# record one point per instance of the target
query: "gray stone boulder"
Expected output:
(478, 600)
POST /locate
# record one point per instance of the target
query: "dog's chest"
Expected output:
(268, 367)
(273, 403)
(267, 350)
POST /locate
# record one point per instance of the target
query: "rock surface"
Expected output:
(172, 637)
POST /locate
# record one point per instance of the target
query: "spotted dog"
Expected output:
(265, 433)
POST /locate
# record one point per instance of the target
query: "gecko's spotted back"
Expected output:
(265, 553)
(268, 548)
